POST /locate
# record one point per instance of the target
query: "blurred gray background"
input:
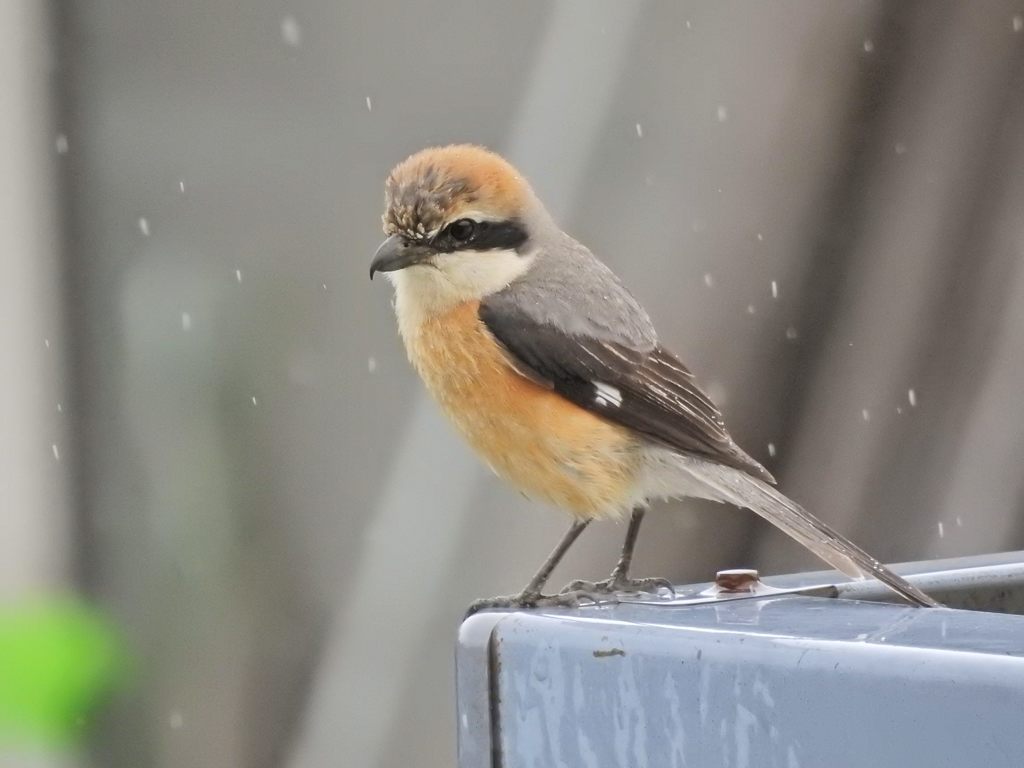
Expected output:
(210, 427)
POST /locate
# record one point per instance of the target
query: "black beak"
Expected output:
(394, 254)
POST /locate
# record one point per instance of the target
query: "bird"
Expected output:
(555, 375)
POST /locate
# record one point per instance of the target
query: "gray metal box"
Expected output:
(771, 680)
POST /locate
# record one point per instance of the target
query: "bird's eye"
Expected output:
(462, 230)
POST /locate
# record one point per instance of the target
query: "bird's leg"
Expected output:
(531, 595)
(619, 580)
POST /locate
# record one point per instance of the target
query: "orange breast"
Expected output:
(547, 447)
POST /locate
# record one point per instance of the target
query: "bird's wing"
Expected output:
(574, 328)
(591, 342)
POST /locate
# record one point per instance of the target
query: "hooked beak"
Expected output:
(394, 254)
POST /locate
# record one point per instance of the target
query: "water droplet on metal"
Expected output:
(540, 668)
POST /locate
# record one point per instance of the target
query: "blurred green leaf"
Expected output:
(58, 660)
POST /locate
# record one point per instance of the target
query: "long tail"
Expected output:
(831, 546)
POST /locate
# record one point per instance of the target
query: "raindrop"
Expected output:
(771, 449)
(324, 286)
(181, 186)
(869, 46)
(775, 289)
(865, 414)
(899, 411)
(186, 321)
(1018, 23)
(959, 522)
(56, 451)
(254, 402)
(61, 144)
(722, 113)
(639, 131)
(760, 237)
(371, 364)
(176, 720)
(238, 275)
(541, 668)
(689, 24)
(46, 343)
(144, 226)
(708, 279)
(751, 309)
(912, 398)
(60, 408)
(791, 333)
(291, 32)
(369, 104)
(942, 530)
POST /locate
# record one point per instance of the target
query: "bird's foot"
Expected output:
(564, 599)
(617, 583)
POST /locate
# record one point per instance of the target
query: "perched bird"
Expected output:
(554, 373)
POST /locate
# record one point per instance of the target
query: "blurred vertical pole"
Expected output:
(34, 514)
(34, 537)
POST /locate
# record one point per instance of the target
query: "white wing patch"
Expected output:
(607, 394)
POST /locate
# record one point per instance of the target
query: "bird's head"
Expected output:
(460, 222)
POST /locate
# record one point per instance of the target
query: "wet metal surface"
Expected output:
(763, 680)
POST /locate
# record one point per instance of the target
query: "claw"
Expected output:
(522, 600)
(618, 583)
(579, 586)
(564, 599)
(652, 584)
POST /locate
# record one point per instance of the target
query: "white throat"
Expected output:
(426, 290)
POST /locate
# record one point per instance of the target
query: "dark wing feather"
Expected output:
(657, 394)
